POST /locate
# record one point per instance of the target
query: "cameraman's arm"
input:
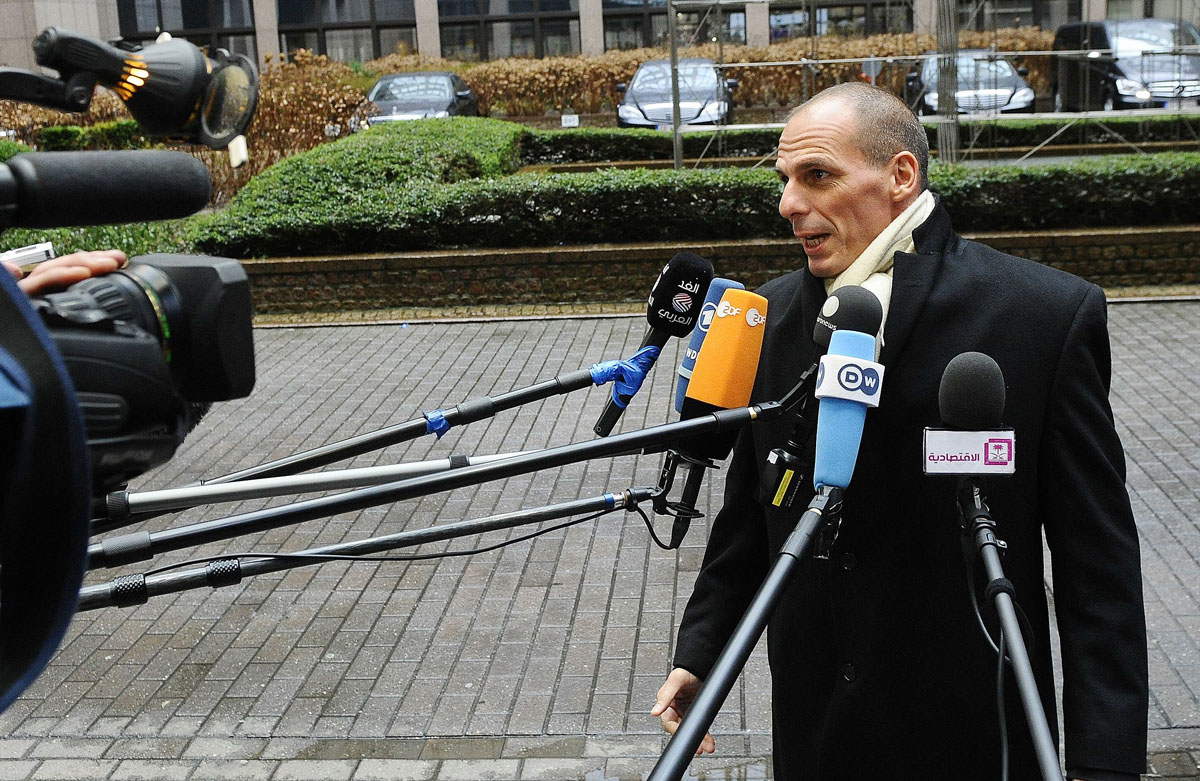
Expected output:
(63, 272)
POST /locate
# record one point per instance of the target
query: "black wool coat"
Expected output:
(879, 667)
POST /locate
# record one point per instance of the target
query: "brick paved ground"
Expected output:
(535, 661)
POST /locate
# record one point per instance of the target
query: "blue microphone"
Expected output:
(848, 381)
(716, 289)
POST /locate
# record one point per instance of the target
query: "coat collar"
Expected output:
(912, 279)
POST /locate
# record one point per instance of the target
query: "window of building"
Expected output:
(227, 24)
(397, 40)
(461, 42)
(622, 32)
(511, 39)
(491, 29)
(347, 30)
(395, 10)
(841, 20)
(560, 37)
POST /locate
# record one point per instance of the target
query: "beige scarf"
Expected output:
(873, 268)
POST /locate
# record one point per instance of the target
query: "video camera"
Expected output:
(119, 366)
(149, 348)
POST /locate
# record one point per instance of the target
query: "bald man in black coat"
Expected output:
(879, 667)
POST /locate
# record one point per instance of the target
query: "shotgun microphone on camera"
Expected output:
(57, 189)
(672, 310)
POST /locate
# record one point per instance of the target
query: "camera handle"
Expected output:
(73, 94)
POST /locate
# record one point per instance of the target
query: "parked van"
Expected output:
(1125, 63)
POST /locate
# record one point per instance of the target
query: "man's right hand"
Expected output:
(674, 699)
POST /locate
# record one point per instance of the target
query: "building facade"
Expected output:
(476, 30)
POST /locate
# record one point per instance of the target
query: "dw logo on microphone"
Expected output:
(856, 378)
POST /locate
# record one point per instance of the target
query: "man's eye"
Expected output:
(817, 173)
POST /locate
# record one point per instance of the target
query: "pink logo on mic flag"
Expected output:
(998, 452)
(682, 302)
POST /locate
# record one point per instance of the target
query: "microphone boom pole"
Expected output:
(979, 524)
(140, 546)
(674, 761)
(467, 412)
(129, 590)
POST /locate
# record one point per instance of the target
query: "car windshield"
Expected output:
(973, 70)
(412, 88)
(1135, 37)
(656, 77)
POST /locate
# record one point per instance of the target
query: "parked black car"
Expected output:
(986, 83)
(1125, 63)
(704, 97)
(419, 95)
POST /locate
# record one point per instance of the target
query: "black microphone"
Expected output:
(971, 403)
(674, 304)
(58, 189)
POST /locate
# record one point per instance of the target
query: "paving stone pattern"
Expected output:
(536, 661)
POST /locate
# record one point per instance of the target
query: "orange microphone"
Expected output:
(722, 379)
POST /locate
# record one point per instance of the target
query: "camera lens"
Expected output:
(141, 295)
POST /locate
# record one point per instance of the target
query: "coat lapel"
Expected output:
(912, 279)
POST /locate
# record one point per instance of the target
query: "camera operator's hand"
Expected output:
(63, 272)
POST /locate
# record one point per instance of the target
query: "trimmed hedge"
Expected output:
(591, 145)
(121, 134)
(1161, 189)
(8, 149)
(134, 239)
(664, 205)
(531, 210)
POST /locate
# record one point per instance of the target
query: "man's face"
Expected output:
(835, 199)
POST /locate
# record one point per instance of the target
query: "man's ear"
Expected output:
(906, 177)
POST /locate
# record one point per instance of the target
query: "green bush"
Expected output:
(590, 145)
(133, 239)
(338, 192)
(10, 148)
(665, 205)
(1160, 189)
(121, 134)
(610, 206)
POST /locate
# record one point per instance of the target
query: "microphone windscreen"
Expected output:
(57, 189)
(728, 361)
(678, 294)
(971, 394)
(849, 308)
(707, 312)
(840, 421)
(725, 369)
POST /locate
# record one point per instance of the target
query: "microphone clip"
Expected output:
(831, 521)
(976, 518)
(684, 509)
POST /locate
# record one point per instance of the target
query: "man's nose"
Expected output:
(792, 201)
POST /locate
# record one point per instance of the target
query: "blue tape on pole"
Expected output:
(627, 376)
(436, 423)
(604, 372)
